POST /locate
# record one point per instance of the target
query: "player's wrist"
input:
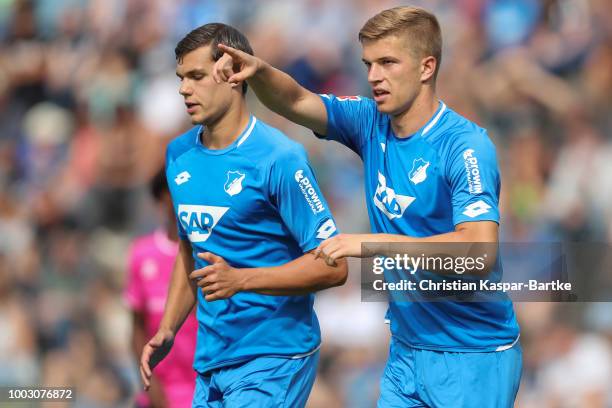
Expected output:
(264, 71)
(260, 66)
(166, 330)
(246, 282)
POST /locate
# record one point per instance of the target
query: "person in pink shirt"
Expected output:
(150, 262)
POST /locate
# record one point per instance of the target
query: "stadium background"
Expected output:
(88, 100)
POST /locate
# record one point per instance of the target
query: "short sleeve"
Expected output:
(349, 120)
(473, 176)
(301, 205)
(133, 294)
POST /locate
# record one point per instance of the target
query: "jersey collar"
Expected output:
(427, 127)
(239, 140)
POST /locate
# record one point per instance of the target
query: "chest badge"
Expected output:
(418, 174)
(233, 185)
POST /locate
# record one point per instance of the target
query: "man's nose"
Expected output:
(374, 74)
(185, 89)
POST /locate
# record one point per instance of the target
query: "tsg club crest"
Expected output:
(418, 174)
(233, 185)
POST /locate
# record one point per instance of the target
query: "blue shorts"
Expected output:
(261, 382)
(425, 378)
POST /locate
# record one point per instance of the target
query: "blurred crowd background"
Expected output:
(89, 100)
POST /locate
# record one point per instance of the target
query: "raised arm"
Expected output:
(180, 302)
(274, 88)
(298, 277)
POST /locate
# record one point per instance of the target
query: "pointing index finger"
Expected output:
(233, 52)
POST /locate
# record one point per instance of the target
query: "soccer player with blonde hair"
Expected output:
(431, 176)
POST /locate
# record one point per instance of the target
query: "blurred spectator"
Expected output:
(17, 344)
(567, 367)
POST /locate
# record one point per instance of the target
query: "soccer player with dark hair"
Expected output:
(250, 215)
(431, 177)
(150, 261)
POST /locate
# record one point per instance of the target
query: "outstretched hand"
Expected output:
(234, 66)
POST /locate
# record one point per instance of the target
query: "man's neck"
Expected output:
(225, 131)
(417, 115)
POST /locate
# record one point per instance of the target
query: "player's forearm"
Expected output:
(280, 93)
(479, 245)
(181, 292)
(275, 89)
(449, 237)
(300, 276)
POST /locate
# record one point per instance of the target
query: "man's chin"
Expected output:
(384, 108)
(196, 120)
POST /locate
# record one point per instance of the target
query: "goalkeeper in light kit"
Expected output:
(431, 177)
(250, 214)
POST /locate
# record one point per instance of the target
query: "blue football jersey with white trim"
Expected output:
(423, 185)
(255, 203)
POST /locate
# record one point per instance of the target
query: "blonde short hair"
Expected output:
(417, 24)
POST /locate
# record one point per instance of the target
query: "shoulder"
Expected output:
(355, 104)
(354, 116)
(351, 99)
(270, 145)
(455, 134)
(182, 143)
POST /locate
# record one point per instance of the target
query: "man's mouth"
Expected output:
(380, 94)
(191, 106)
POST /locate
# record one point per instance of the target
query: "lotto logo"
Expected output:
(326, 229)
(476, 209)
(182, 178)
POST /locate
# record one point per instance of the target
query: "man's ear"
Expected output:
(428, 68)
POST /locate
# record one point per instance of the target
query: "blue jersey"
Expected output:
(255, 203)
(423, 185)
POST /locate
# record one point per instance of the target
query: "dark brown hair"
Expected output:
(213, 34)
